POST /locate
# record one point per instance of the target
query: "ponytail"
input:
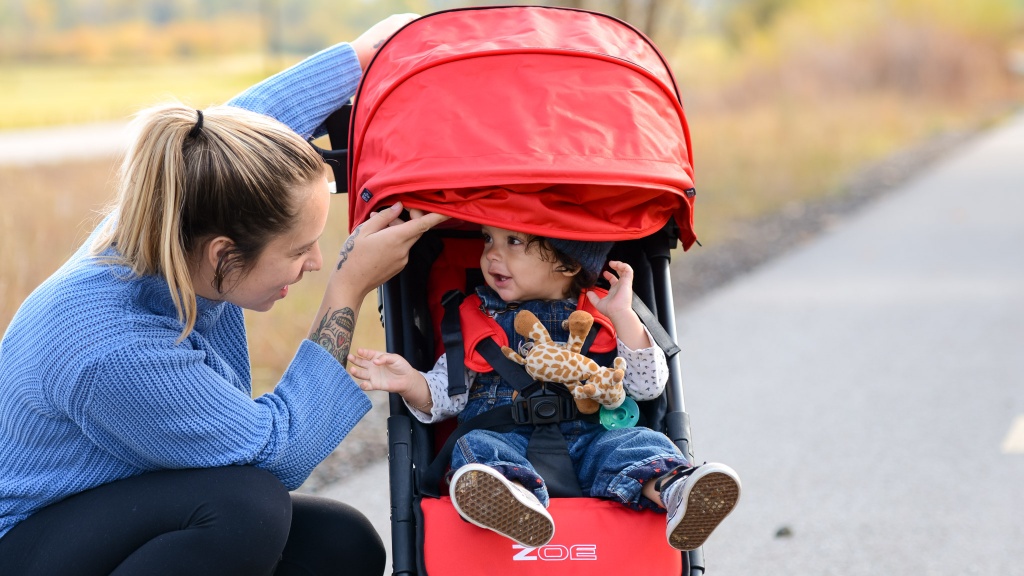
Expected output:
(190, 176)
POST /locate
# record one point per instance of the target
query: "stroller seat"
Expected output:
(428, 536)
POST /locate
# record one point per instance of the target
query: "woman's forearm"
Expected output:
(375, 251)
(335, 321)
(304, 95)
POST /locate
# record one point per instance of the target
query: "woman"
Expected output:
(129, 442)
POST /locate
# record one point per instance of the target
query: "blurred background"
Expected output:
(786, 100)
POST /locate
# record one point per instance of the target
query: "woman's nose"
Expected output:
(316, 259)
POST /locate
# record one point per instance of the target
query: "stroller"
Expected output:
(555, 122)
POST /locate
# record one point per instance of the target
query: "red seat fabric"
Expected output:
(591, 537)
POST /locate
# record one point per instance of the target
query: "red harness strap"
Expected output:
(476, 326)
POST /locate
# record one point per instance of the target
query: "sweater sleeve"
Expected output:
(305, 94)
(155, 409)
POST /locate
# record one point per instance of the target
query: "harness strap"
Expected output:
(451, 336)
(548, 451)
(513, 373)
(589, 340)
(658, 332)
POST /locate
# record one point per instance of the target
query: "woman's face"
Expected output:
(286, 257)
(517, 273)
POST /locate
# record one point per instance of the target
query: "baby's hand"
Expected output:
(620, 292)
(376, 370)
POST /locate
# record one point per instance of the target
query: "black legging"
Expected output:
(223, 521)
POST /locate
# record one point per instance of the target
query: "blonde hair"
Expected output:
(184, 181)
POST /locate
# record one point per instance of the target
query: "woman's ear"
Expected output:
(215, 250)
(210, 275)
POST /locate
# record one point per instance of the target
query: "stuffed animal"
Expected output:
(604, 387)
(550, 361)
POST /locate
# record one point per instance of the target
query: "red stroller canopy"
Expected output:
(554, 122)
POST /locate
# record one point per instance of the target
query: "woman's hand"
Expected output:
(379, 248)
(367, 44)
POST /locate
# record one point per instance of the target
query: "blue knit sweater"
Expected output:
(93, 387)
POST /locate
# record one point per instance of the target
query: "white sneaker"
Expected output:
(486, 498)
(698, 502)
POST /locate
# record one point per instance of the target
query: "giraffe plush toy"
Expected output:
(604, 387)
(562, 363)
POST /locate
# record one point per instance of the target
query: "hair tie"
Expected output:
(199, 125)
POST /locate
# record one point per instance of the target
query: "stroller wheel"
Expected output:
(484, 497)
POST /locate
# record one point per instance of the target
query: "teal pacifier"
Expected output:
(625, 416)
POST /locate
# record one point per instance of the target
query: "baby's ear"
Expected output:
(569, 272)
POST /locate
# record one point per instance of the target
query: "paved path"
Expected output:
(60, 143)
(869, 386)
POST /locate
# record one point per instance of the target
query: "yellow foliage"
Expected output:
(997, 19)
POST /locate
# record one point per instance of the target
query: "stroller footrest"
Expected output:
(592, 536)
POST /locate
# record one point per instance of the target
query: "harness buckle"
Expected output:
(540, 404)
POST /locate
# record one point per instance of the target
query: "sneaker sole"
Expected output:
(485, 501)
(711, 499)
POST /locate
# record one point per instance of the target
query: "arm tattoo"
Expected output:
(349, 245)
(335, 333)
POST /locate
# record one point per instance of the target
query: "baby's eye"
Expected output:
(514, 241)
(486, 237)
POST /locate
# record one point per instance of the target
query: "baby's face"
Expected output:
(517, 272)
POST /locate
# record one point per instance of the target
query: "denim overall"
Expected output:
(612, 464)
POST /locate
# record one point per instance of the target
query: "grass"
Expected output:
(758, 159)
(42, 95)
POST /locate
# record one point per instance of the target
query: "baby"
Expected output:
(494, 485)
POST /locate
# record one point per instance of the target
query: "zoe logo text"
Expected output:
(555, 552)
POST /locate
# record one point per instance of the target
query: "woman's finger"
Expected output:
(381, 219)
(408, 232)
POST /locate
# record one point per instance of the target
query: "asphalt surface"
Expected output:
(866, 386)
